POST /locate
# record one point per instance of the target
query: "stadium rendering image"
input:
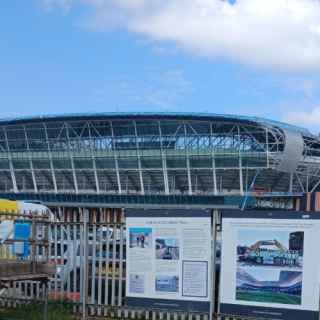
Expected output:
(286, 289)
(151, 159)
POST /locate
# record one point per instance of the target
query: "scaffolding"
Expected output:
(24, 252)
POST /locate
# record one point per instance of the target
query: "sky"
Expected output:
(264, 274)
(248, 57)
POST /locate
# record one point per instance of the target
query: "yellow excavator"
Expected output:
(257, 254)
(276, 243)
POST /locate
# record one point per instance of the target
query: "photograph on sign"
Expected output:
(274, 249)
(269, 266)
(167, 283)
(169, 259)
(167, 249)
(140, 238)
(269, 285)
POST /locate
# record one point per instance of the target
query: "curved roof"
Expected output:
(157, 115)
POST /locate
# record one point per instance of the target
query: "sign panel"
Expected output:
(270, 265)
(169, 259)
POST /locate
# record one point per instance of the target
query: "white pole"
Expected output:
(85, 265)
(319, 307)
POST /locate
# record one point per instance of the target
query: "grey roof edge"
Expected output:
(162, 115)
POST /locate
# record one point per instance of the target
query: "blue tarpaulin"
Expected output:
(22, 232)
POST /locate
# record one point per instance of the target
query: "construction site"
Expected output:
(270, 252)
(85, 170)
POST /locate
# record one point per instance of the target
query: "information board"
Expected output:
(270, 265)
(169, 259)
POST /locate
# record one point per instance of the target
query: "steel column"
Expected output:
(115, 158)
(164, 163)
(139, 158)
(50, 159)
(30, 161)
(13, 177)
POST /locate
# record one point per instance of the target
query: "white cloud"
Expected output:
(308, 118)
(277, 34)
(64, 5)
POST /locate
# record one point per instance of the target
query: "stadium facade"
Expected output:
(127, 159)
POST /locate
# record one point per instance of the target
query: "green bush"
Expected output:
(34, 311)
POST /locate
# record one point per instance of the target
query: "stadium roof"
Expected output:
(160, 115)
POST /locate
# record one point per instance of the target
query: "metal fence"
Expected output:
(89, 250)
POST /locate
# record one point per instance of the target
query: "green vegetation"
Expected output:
(268, 297)
(34, 311)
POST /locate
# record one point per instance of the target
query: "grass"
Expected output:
(34, 311)
(269, 297)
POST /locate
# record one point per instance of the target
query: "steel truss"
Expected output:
(150, 156)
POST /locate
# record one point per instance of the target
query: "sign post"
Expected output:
(213, 263)
(169, 259)
(270, 266)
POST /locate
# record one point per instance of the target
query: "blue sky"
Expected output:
(65, 56)
(141, 230)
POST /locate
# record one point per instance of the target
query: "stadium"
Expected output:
(286, 290)
(168, 159)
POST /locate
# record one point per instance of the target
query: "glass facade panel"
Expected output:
(62, 163)
(200, 162)
(105, 163)
(41, 164)
(226, 161)
(4, 164)
(83, 163)
(21, 164)
(151, 162)
(128, 163)
(176, 162)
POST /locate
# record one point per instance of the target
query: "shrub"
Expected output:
(34, 311)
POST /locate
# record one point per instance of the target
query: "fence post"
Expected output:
(45, 309)
(213, 263)
(319, 310)
(85, 264)
(34, 239)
